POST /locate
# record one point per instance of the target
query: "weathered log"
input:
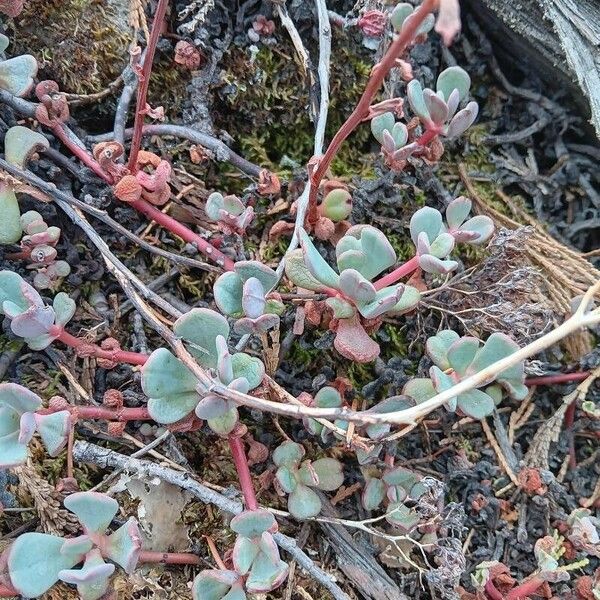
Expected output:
(558, 39)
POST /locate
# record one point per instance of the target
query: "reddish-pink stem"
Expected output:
(492, 591)
(104, 413)
(241, 465)
(526, 589)
(169, 558)
(559, 378)
(428, 136)
(81, 153)
(405, 269)
(184, 233)
(361, 111)
(142, 93)
(118, 356)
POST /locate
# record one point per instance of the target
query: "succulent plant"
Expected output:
(242, 294)
(437, 112)
(455, 358)
(39, 325)
(230, 212)
(397, 486)
(10, 227)
(337, 205)
(362, 254)
(434, 240)
(17, 73)
(19, 421)
(584, 531)
(255, 553)
(218, 584)
(174, 392)
(329, 397)
(36, 561)
(402, 12)
(296, 478)
(20, 143)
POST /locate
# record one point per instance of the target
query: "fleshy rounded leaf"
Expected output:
(64, 308)
(124, 546)
(249, 367)
(381, 123)
(95, 511)
(414, 93)
(228, 291)
(289, 454)
(328, 397)
(373, 493)
(54, 430)
(298, 272)
(330, 473)
(304, 503)
(476, 404)
(253, 523)
(10, 227)
(213, 584)
(20, 143)
(458, 211)
(453, 78)
(170, 387)
(39, 554)
(17, 73)
(252, 268)
(337, 205)
(316, 264)
(200, 327)
(253, 298)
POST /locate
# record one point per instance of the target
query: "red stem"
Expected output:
(559, 378)
(492, 591)
(81, 153)
(169, 558)
(428, 136)
(140, 106)
(119, 356)
(361, 110)
(525, 589)
(241, 464)
(184, 233)
(104, 413)
(405, 269)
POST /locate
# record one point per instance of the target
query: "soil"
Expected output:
(530, 143)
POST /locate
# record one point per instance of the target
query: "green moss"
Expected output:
(360, 374)
(268, 100)
(81, 44)
(402, 244)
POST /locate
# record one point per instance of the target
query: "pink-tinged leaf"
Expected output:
(54, 430)
(481, 226)
(373, 493)
(457, 212)
(253, 523)
(356, 287)
(19, 398)
(95, 511)
(211, 407)
(35, 321)
(26, 427)
(462, 120)
(438, 109)
(453, 102)
(214, 585)
(448, 21)
(353, 342)
(387, 143)
(245, 552)
(124, 546)
(432, 264)
(253, 298)
(94, 569)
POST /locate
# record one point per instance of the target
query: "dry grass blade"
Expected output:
(567, 273)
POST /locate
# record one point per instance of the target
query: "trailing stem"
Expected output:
(118, 356)
(169, 558)
(241, 464)
(361, 111)
(142, 93)
(102, 413)
(184, 233)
